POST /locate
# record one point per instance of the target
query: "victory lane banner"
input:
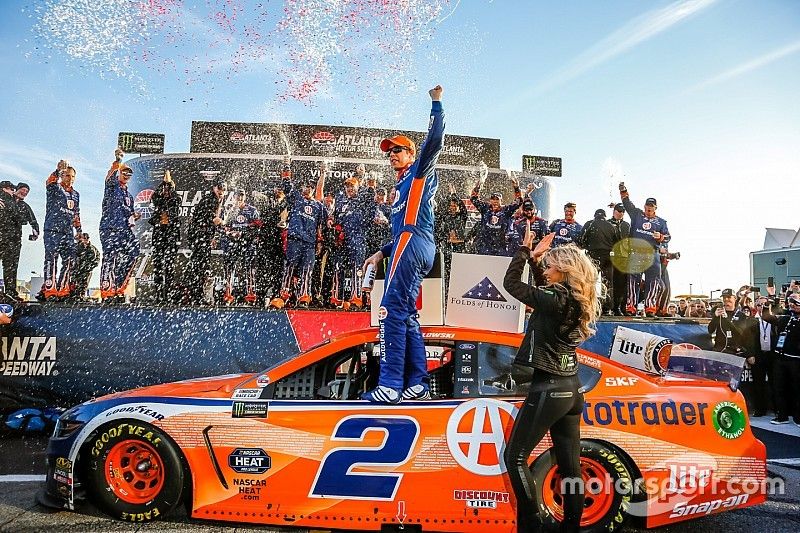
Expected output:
(329, 141)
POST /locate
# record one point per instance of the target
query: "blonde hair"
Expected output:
(581, 276)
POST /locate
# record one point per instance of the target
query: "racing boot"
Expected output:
(277, 303)
(417, 392)
(356, 303)
(228, 298)
(250, 298)
(382, 394)
(650, 311)
(630, 310)
(345, 306)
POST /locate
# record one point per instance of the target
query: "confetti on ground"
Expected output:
(311, 46)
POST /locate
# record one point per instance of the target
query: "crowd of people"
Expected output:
(302, 244)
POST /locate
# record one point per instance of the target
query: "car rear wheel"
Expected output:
(607, 488)
(134, 472)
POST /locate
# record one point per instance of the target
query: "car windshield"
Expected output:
(716, 366)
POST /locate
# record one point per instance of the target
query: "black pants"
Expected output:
(553, 403)
(786, 371)
(603, 260)
(199, 270)
(9, 256)
(165, 252)
(620, 291)
(763, 380)
(269, 267)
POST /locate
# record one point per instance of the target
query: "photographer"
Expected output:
(666, 295)
(786, 367)
(730, 328)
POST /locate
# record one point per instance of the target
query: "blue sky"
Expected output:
(693, 102)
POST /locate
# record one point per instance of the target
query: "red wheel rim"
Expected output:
(599, 496)
(134, 471)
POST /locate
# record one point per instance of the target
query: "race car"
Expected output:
(295, 446)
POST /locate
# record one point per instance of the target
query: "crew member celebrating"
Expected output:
(648, 231)
(61, 221)
(567, 229)
(495, 219)
(404, 373)
(120, 246)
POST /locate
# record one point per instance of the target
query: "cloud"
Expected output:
(632, 34)
(746, 67)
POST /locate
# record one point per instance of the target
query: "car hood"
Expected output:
(213, 387)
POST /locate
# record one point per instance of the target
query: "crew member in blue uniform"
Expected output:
(120, 246)
(61, 221)
(538, 227)
(403, 367)
(648, 232)
(495, 220)
(566, 229)
(354, 211)
(306, 216)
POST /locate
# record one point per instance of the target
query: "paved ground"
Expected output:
(21, 467)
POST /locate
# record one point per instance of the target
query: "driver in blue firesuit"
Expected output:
(404, 374)
(120, 246)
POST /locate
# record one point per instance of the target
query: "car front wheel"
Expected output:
(134, 472)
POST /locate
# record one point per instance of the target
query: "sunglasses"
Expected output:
(395, 150)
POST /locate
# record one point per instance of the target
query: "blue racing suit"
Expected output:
(411, 254)
(61, 220)
(494, 225)
(566, 232)
(306, 216)
(516, 232)
(120, 246)
(238, 247)
(355, 216)
(644, 256)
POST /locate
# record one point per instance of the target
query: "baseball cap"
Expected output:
(5, 184)
(218, 183)
(727, 292)
(619, 207)
(23, 185)
(496, 195)
(793, 299)
(600, 213)
(651, 201)
(398, 140)
(570, 204)
(528, 204)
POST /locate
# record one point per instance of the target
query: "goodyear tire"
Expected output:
(603, 470)
(133, 471)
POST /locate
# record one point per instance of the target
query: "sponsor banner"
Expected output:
(430, 301)
(329, 141)
(637, 349)
(62, 356)
(141, 143)
(476, 297)
(541, 165)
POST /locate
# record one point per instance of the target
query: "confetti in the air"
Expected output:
(308, 46)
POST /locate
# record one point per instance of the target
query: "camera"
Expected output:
(673, 255)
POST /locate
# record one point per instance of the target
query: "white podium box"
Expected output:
(476, 297)
(430, 302)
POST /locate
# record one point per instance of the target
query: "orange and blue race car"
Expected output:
(294, 446)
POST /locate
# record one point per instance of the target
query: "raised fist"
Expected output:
(436, 93)
(119, 154)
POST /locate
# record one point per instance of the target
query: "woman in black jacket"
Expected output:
(565, 306)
